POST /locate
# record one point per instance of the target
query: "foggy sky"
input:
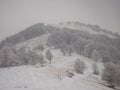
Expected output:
(16, 15)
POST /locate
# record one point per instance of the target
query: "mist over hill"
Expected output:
(40, 29)
(29, 33)
(69, 37)
(65, 53)
(59, 45)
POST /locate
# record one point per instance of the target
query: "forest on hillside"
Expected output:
(98, 47)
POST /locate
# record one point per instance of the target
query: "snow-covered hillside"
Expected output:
(34, 42)
(52, 76)
(92, 29)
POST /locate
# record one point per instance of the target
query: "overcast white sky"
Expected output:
(16, 15)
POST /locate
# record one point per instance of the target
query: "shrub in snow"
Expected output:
(79, 45)
(33, 58)
(40, 47)
(49, 55)
(111, 74)
(63, 51)
(69, 74)
(70, 50)
(27, 57)
(67, 49)
(79, 66)
(95, 68)
(41, 59)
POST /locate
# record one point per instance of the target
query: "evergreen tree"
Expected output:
(41, 60)
(95, 68)
(79, 66)
(49, 55)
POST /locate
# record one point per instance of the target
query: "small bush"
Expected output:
(79, 66)
(95, 68)
(69, 74)
(63, 51)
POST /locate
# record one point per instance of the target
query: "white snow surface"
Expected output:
(52, 76)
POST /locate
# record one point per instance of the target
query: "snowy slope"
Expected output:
(42, 39)
(50, 77)
(92, 29)
(34, 42)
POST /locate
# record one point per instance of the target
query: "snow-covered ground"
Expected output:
(81, 27)
(34, 42)
(51, 77)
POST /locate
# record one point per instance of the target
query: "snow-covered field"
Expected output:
(51, 77)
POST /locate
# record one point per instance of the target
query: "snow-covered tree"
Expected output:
(79, 45)
(23, 55)
(40, 47)
(49, 55)
(41, 59)
(8, 57)
(29, 57)
(79, 66)
(63, 51)
(111, 74)
(70, 50)
(33, 58)
(95, 68)
(96, 55)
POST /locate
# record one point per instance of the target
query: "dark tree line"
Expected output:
(29, 33)
(86, 44)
